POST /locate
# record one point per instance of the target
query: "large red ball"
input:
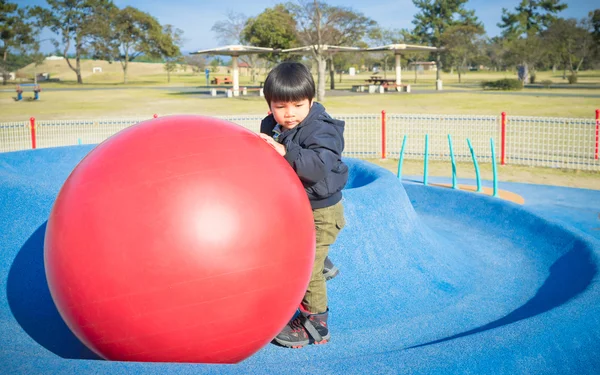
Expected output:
(180, 239)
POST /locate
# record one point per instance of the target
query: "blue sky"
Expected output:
(196, 17)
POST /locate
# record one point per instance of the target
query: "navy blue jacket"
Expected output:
(314, 149)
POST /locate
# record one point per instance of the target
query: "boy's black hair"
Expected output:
(289, 82)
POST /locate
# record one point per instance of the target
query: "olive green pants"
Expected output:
(328, 223)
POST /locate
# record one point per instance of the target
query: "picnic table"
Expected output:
(221, 80)
(379, 80)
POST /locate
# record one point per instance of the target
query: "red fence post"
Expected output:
(503, 140)
(383, 134)
(597, 132)
(32, 127)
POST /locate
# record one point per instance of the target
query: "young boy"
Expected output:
(312, 142)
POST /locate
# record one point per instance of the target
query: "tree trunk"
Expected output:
(459, 75)
(4, 70)
(579, 65)
(438, 65)
(415, 67)
(78, 65)
(331, 74)
(320, 77)
(554, 68)
(124, 64)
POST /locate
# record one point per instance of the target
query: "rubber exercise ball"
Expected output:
(179, 239)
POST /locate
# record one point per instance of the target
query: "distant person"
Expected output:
(312, 142)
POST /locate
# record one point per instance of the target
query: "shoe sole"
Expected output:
(301, 345)
(295, 345)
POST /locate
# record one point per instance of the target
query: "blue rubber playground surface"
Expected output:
(433, 281)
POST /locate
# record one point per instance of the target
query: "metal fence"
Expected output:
(570, 143)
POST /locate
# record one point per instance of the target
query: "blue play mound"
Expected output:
(432, 281)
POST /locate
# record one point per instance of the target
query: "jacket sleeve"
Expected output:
(267, 125)
(318, 154)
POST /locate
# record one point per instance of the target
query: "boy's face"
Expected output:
(290, 114)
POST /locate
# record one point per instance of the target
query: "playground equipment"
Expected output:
(453, 162)
(36, 91)
(192, 265)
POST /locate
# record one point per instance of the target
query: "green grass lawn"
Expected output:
(139, 101)
(148, 92)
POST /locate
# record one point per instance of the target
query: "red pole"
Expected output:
(383, 134)
(503, 141)
(32, 126)
(597, 132)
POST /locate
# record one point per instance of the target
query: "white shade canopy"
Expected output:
(234, 51)
(237, 50)
(324, 47)
(398, 50)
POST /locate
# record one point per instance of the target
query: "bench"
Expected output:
(221, 81)
(400, 88)
(228, 92)
(380, 88)
(245, 90)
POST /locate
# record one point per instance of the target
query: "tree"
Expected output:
(78, 23)
(495, 51)
(594, 17)
(273, 28)
(571, 40)
(320, 24)
(523, 27)
(435, 17)
(16, 33)
(174, 59)
(197, 62)
(530, 17)
(215, 63)
(231, 31)
(133, 34)
(170, 67)
(463, 43)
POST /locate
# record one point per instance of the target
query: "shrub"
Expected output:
(546, 83)
(532, 78)
(573, 78)
(502, 84)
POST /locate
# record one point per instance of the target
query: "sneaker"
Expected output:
(316, 327)
(330, 270)
(293, 335)
(303, 330)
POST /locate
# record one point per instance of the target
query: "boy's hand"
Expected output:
(273, 143)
